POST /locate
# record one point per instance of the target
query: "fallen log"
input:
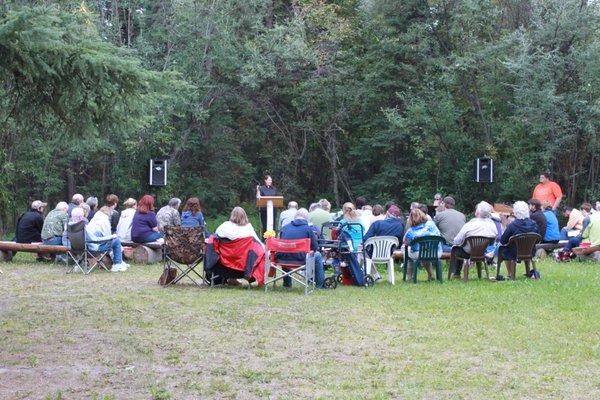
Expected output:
(146, 255)
(32, 247)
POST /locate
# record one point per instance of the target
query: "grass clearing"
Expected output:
(121, 336)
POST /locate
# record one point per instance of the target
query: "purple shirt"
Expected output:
(142, 225)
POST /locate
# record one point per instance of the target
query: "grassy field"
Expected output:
(121, 336)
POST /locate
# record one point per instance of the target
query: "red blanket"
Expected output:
(245, 254)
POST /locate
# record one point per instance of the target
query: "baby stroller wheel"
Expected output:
(369, 281)
(338, 278)
(330, 283)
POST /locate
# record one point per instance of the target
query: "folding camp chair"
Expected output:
(428, 252)
(77, 251)
(303, 273)
(382, 247)
(184, 250)
(97, 256)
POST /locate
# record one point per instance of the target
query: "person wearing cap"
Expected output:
(392, 225)
(29, 225)
(449, 221)
(76, 200)
(481, 225)
(54, 227)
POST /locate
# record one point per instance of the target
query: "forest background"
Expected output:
(336, 99)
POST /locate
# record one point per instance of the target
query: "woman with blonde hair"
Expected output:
(419, 226)
(351, 225)
(124, 225)
(237, 227)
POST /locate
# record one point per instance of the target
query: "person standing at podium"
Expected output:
(266, 190)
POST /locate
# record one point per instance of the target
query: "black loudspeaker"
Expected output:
(483, 170)
(158, 172)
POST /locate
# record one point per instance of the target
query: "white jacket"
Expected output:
(232, 231)
(124, 225)
(98, 229)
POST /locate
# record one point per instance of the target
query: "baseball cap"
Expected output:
(37, 204)
(394, 211)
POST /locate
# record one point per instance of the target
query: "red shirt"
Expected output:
(549, 191)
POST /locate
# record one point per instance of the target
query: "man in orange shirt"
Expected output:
(548, 191)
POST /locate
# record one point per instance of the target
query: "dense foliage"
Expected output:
(388, 99)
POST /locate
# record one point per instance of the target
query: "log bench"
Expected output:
(146, 253)
(8, 249)
(592, 252)
(543, 249)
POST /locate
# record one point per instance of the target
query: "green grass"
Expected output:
(121, 336)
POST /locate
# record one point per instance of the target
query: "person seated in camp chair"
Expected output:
(481, 225)
(521, 224)
(299, 228)
(238, 227)
(99, 229)
(192, 214)
(420, 226)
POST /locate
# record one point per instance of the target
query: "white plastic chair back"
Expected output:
(382, 253)
(382, 247)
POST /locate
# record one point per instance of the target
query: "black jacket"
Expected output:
(540, 219)
(29, 227)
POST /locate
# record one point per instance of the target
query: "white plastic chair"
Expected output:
(382, 253)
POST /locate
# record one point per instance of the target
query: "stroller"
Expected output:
(339, 253)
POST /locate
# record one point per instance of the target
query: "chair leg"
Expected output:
(527, 272)
(487, 271)
(368, 265)
(451, 265)
(404, 270)
(478, 264)
(391, 272)
(466, 267)
(416, 265)
(438, 271)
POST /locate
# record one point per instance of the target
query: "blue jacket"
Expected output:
(297, 229)
(516, 227)
(386, 227)
(552, 229)
(189, 220)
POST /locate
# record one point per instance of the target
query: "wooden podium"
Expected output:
(269, 202)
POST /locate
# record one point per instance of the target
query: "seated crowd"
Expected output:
(138, 223)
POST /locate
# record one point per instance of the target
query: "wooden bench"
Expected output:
(543, 249)
(145, 253)
(7, 249)
(588, 252)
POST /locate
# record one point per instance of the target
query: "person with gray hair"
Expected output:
(76, 200)
(299, 228)
(320, 214)
(288, 215)
(449, 221)
(54, 226)
(521, 224)
(169, 214)
(481, 225)
(313, 207)
(93, 203)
